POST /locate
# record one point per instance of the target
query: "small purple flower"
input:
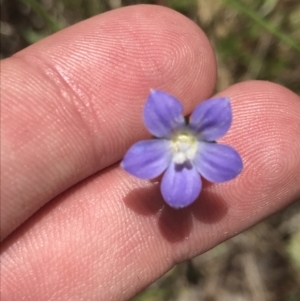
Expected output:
(183, 150)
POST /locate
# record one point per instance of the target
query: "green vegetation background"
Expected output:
(253, 39)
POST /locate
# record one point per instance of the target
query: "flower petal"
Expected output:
(147, 159)
(212, 118)
(162, 113)
(217, 162)
(181, 185)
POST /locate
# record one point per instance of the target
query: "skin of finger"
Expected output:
(112, 235)
(71, 104)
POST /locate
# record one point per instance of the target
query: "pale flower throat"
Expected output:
(184, 147)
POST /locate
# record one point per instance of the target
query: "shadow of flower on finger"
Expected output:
(175, 225)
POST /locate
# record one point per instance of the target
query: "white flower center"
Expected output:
(184, 147)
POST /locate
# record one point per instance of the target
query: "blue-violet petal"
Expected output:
(212, 118)
(217, 162)
(147, 159)
(162, 114)
(181, 185)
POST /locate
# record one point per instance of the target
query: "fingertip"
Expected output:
(265, 131)
(84, 89)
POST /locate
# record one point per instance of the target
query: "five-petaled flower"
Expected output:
(184, 150)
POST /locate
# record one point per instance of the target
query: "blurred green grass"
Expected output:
(253, 39)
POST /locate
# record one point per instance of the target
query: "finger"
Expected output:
(112, 235)
(71, 104)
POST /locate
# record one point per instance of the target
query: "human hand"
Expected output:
(75, 225)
